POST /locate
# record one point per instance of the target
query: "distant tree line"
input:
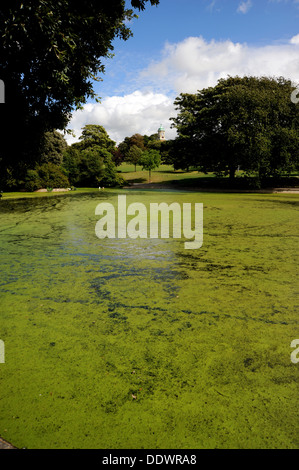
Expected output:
(90, 162)
(147, 151)
(87, 163)
(248, 124)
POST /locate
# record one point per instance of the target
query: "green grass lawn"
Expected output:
(141, 344)
(166, 175)
(163, 174)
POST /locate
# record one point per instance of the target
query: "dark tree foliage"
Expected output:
(117, 157)
(125, 147)
(90, 161)
(134, 155)
(50, 51)
(53, 146)
(46, 175)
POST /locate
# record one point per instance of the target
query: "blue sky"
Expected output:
(185, 45)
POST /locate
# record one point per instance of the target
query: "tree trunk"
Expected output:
(232, 171)
(149, 176)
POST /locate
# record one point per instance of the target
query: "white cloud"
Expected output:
(185, 67)
(195, 63)
(244, 7)
(295, 39)
(122, 116)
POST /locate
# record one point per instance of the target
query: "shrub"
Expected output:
(111, 178)
(47, 175)
(32, 181)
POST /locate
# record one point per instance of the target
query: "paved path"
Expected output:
(5, 445)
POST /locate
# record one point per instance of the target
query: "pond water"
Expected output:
(122, 343)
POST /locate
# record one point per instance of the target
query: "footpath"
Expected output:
(5, 445)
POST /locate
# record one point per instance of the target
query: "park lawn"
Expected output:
(122, 343)
(167, 176)
(163, 174)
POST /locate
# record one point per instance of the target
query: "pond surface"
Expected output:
(122, 343)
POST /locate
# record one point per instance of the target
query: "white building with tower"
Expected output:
(161, 133)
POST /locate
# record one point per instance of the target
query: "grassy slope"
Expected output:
(164, 174)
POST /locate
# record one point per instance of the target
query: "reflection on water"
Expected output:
(48, 245)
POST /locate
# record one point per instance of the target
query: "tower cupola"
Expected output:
(161, 133)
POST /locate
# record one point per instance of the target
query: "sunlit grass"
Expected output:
(165, 174)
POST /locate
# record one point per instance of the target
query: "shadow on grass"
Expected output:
(218, 183)
(240, 182)
(136, 180)
(172, 172)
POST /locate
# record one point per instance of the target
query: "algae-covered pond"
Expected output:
(142, 344)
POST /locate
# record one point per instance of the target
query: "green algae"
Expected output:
(126, 343)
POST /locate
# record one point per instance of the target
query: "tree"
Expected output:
(89, 162)
(110, 176)
(134, 155)
(248, 122)
(91, 166)
(93, 134)
(149, 140)
(70, 163)
(50, 51)
(117, 157)
(46, 175)
(53, 147)
(125, 147)
(181, 154)
(150, 160)
(137, 140)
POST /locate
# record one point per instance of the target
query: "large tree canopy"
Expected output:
(90, 161)
(50, 51)
(244, 122)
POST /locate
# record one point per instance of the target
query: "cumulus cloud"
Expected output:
(295, 39)
(185, 67)
(195, 63)
(244, 7)
(122, 116)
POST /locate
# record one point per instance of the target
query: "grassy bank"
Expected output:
(167, 176)
(36, 194)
